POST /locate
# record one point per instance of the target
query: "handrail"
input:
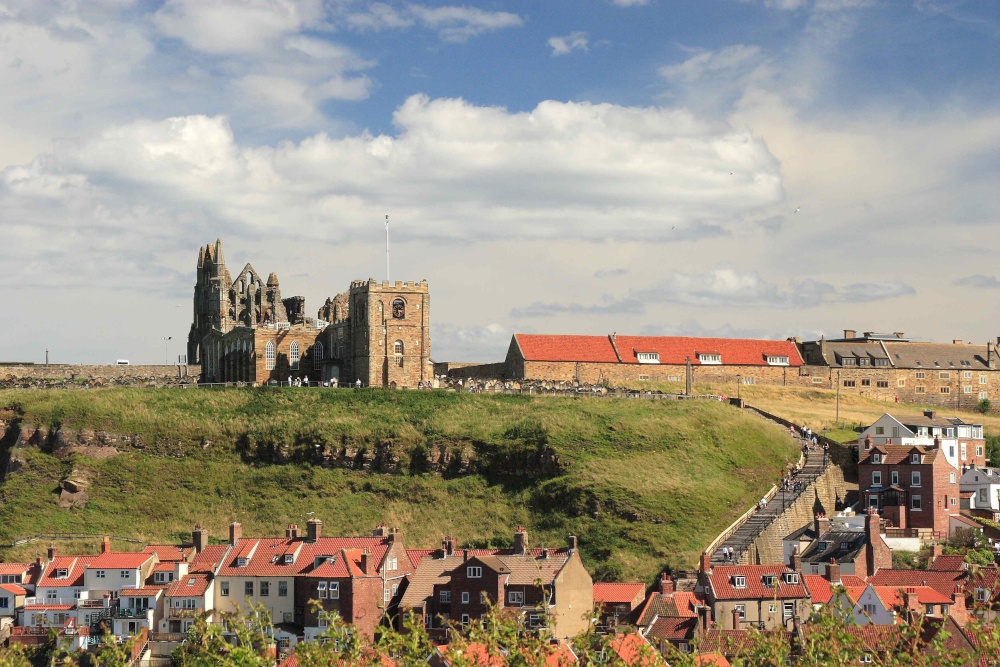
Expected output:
(736, 525)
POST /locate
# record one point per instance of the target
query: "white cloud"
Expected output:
(728, 59)
(453, 23)
(629, 3)
(575, 41)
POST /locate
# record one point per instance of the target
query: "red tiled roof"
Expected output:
(14, 568)
(266, 554)
(722, 583)
(618, 593)
(672, 628)
(679, 604)
(164, 567)
(734, 351)
(192, 585)
(13, 588)
(49, 607)
(819, 588)
(144, 592)
(852, 580)
(898, 454)
(892, 596)
(74, 564)
(735, 642)
(635, 651)
(120, 560)
(168, 552)
(566, 348)
(209, 558)
(473, 653)
(949, 563)
(942, 582)
(709, 659)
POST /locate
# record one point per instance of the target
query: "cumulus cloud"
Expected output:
(726, 288)
(978, 281)
(575, 41)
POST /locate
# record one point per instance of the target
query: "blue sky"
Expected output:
(722, 167)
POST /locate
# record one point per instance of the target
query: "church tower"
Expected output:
(211, 299)
(390, 333)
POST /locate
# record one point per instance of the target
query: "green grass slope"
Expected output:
(644, 484)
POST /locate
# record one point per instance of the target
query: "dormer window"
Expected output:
(791, 577)
(915, 458)
(876, 457)
(769, 580)
(739, 581)
(821, 546)
(62, 573)
(710, 358)
(289, 559)
(648, 357)
(848, 361)
(844, 546)
(242, 562)
(777, 361)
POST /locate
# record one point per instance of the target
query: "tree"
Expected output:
(984, 405)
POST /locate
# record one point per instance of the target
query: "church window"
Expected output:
(398, 309)
(269, 355)
(397, 350)
(318, 355)
(293, 355)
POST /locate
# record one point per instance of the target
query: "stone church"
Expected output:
(244, 331)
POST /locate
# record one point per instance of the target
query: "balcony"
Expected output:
(72, 601)
(184, 612)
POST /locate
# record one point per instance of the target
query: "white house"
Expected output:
(984, 484)
(962, 443)
(881, 605)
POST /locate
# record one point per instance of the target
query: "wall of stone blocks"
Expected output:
(79, 375)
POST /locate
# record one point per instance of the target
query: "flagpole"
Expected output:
(388, 279)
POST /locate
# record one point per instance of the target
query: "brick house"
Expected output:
(544, 587)
(853, 544)
(617, 604)
(913, 486)
(770, 597)
(962, 444)
(671, 616)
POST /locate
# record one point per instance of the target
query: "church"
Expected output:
(244, 331)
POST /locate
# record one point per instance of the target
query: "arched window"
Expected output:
(398, 309)
(293, 355)
(269, 356)
(397, 350)
(318, 355)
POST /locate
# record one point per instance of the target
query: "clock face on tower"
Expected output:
(398, 309)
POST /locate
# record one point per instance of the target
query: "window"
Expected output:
(919, 390)
(967, 389)
(984, 495)
(741, 611)
(269, 356)
(817, 380)
(864, 361)
(4, 603)
(967, 375)
(50, 594)
(398, 309)
(265, 589)
(428, 621)
(648, 357)
(318, 355)
(515, 598)
(953, 502)
(444, 597)
(791, 577)
(188, 603)
(482, 598)
(777, 361)
(979, 450)
(869, 609)
(866, 382)
(123, 574)
(963, 450)
(915, 478)
(397, 350)
(894, 477)
(866, 658)
(248, 588)
(772, 607)
(99, 574)
(915, 458)
(769, 580)
(944, 390)
(876, 458)
(293, 355)
(334, 588)
(643, 378)
(951, 477)
(62, 573)
(474, 572)
(465, 597)
(895, 431)
(391, 564)
(915, 503)
(982, 595)
(850, 383)
(386, 595)
(739, 581)
(747, 379)
(224, 588)
(879, 430)
(882, 384)
(465, 619)
(849, 361)
(944, 375)
(876, 478)
(901, 382)
(710, 358)
(983, 394)
(919, 375)
(788, 609)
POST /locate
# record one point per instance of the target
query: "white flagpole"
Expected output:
(388, 279)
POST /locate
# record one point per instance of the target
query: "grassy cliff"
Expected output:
(644, 484)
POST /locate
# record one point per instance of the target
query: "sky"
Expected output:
(748, 168)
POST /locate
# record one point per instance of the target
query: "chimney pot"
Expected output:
(666, 584)
(736, 619)
(200, 538)
(314, 530)
(706, 563)
(520, 541)
(235, 532)
(850, 333)
(51, 553)
(572, 543)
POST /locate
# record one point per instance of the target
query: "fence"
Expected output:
(736, 525)
(67, 536)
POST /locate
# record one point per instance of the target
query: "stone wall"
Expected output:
(78, 376)
(768, 547)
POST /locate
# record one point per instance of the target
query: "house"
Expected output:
(184, 600)
(674, 617)
(984, 485)
(982, 590)
(943, 581)
(854, 544)
(25, 575)
(635, 651)
(884, 605)
(136, 610)
(962, 444)
(760, 596)
(11, 599)
(545, 587)
(617, 603)
(914, 487)
(112, 571)
(277, 573)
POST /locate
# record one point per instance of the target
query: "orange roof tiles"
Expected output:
(49, 607)
(164, 567)
(710, 660)
(168, 552)
(892, 596)
(672, 628)
(144, 592)
(819, 588)
(618, 593)
(209, 558)
(74, 565)
(723, 583)
(120, 560)
(635, 651)
(473, 653)
(192, 585)
(942, 582)
(566, 348)
(13, 588)
(266, 555)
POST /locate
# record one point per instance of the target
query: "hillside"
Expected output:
(644, 484)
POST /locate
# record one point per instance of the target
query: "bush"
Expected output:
(984, 406)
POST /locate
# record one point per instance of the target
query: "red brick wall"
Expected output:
(935, 487)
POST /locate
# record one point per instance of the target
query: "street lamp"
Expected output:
(165, 358)
(739, 381)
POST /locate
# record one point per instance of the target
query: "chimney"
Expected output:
(448, 546)
(703, 611)
(666, 584)
(51, 553)
(929, 414)
(796, 563)
(833, 572)
(520, 541)
(911, 602)
(235, 532)
(572, 543)
(821, 524)
(991, 353)
(545, 554)
(314, 529)
(200, 538)
(850, 333)
(365, 562)
(105, 545)
(706, 563)
(393, 534)
(465, 555)
(380, 531)
(736, 619)
(958, 610)
(292, 531)
(936, 550)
